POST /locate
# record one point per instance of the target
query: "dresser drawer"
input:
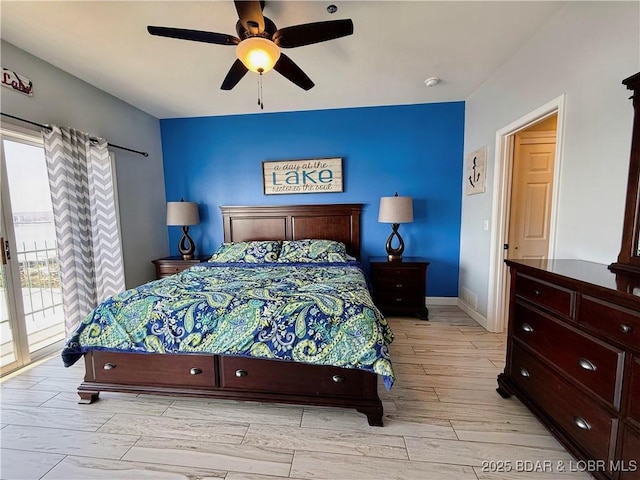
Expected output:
(633, 393)
(153, 369)
(589, 425)
(545, 295)
(610, 320)
(590, 361)
(630, 460)
(240, 373)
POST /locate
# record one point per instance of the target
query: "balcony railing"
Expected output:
(41, 294)
(39, 271)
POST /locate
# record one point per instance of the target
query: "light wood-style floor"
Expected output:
(443, 420)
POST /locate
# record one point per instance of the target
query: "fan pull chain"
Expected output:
(260, 100)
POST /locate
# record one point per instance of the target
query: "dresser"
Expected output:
(172, 265)
(573, 358)
(399, 287)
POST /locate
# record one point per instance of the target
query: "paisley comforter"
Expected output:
(319, 313)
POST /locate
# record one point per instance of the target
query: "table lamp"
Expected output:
(395, 210)
(184, 214)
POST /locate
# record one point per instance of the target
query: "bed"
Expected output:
(260, 373)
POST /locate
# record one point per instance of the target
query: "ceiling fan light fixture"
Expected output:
(258, 54)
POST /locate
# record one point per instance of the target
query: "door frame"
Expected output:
(11, 269)
(504, 150)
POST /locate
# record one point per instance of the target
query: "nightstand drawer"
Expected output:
(164, 270)
(399, 284)
(171, 265)
(400, 299)
(388, 271)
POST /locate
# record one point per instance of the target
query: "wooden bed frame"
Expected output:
(241, 378)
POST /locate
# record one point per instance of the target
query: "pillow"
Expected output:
(312, 251)
(247, 252)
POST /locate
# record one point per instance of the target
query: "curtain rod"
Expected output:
(49, 129)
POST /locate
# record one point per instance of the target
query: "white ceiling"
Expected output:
(395, 47)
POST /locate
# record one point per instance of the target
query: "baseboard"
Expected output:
(441, 301)
(456, 301)
(473, 314)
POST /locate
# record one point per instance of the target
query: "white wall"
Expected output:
(62, 99)
(584, 52)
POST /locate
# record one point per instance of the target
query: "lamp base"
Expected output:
(395, 254)
(186, 245)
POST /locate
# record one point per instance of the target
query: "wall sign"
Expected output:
(314, 175)
(475, 172)
(19, 83)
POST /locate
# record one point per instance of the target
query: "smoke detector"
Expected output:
(432, 81)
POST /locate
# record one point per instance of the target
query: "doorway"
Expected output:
(535, 202)
(532, 182)
(31, 313)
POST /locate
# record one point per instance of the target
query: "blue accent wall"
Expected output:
(415, 150)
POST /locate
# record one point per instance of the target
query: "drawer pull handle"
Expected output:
(398, 285)
(524, 372)
(527, 328)
(241, 373)
(398, 299)
(624, 328)
(537, 293)
(587, 365)
(338, 378)
(109, 366)
(582, 423)
(195, 371)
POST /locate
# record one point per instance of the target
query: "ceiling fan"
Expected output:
(259, 42)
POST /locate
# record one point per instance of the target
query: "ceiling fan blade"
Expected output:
(194, 35)
(236, 72)
(250, 15)
(299, 35)
(288, 69)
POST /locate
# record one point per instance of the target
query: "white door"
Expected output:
(32, 318)
(531, 195)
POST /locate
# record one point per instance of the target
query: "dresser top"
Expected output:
(582, 271)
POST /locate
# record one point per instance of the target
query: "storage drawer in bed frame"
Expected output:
(229, 377)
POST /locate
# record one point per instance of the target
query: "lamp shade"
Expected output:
(258, 54)
(182, 213)
(395, 210)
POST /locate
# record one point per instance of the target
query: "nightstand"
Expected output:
(399, 287)
(171, 265)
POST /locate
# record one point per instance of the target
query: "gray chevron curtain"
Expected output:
(85, 216)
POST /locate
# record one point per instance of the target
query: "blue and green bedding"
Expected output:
(315, 313)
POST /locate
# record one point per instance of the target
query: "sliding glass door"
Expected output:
(10, 356)
(32, 319)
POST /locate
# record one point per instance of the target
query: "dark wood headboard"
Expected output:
(339, 222)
